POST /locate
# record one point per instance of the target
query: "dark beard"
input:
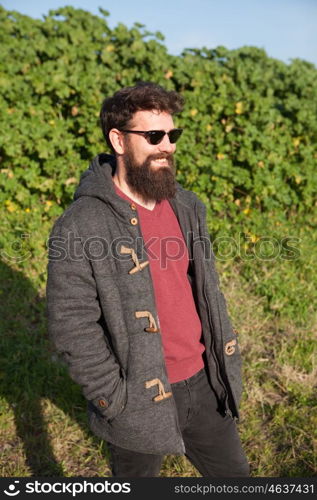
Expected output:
(151, 183)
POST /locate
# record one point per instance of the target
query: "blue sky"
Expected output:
(286, 29)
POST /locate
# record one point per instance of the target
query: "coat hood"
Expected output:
(96, 181)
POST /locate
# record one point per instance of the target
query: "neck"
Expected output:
(120, 182)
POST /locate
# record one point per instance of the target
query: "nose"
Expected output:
(165, 146)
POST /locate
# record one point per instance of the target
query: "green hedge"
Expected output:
(249, 146)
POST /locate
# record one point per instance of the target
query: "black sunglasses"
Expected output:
(156, 136)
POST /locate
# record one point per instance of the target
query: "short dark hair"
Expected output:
(118, 110)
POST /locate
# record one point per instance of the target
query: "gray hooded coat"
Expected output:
(102, 315)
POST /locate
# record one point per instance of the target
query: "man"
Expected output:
(134, 304)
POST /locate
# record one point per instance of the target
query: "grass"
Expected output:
(43, 426)
(278, 425)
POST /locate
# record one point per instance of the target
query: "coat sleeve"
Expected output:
(73, 324)
(203, 231)
(232, 357)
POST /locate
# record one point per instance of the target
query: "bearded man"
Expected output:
(134, 304)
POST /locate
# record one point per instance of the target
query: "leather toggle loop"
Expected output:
(138, 266)
(162, 394)
(230, 347)
(146, 314)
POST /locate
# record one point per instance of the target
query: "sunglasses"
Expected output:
(156, 136)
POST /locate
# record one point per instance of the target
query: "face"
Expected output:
(150, 168)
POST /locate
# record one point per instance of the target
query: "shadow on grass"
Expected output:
(29, 372)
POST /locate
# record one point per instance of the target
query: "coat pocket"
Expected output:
(148, 423)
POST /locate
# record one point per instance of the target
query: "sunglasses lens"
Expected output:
(155, 136)
(174, 135)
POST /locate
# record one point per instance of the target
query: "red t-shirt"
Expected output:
(180, 324)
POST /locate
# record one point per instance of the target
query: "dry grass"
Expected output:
(43, 427)
(279, 418)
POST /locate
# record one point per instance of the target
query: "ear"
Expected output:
(116, 139)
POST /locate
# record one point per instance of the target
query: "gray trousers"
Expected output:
(212, 442)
